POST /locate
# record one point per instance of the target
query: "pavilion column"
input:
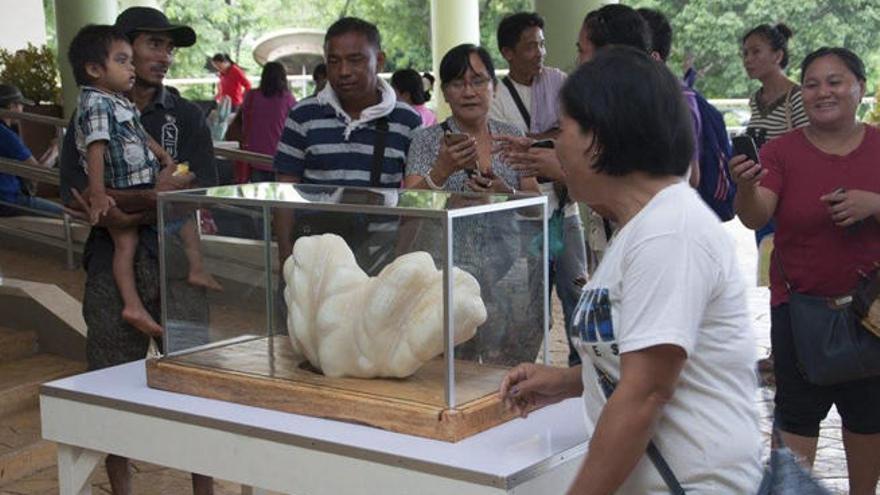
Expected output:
(70, 16)
(453, 22)
(562, 22)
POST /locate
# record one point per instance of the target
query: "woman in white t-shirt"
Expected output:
(664, 317)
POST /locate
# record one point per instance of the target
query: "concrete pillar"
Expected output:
(70, 16)
(562, 22)
(24, 23)
(453, 22)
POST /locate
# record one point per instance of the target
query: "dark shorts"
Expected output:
(110, 341)
(801, 406)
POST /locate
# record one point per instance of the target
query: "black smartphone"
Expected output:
(745, 145)
(544, 143)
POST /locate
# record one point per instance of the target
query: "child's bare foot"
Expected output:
(204, 279)
(140, 319)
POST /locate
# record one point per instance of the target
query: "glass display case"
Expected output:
(408, 298)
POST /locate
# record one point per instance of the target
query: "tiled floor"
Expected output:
(21, 260)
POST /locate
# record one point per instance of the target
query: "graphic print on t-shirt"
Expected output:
(592, 321)
(593, 324)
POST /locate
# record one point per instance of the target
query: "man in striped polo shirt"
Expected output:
(354, 132)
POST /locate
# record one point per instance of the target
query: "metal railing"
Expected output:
(52, 177)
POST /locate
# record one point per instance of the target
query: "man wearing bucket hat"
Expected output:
(12, 147)
(179, 127)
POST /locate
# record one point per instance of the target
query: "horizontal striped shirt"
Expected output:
(777, 118)
(314, 146)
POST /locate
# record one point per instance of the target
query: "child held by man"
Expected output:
(117, 153)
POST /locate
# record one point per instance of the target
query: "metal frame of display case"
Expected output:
(447, 218)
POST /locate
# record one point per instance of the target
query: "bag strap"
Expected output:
(788, 119)
(776, 260)
(608, 385)
(519, 103)
(379, 151)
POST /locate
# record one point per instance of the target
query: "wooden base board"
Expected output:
(248, 372)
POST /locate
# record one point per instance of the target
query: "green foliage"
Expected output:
(873, 116)
(712, 31)
(491, 13)
(33, 70)
(230, 26)
(234, 26)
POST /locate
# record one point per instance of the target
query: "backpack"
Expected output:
(716, 186)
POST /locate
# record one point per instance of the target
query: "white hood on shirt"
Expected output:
(389, 99)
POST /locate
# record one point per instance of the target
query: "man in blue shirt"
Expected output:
(332, 138)
(11, 146)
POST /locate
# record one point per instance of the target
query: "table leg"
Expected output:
(75, 466)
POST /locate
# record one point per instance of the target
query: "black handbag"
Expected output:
(831, 344)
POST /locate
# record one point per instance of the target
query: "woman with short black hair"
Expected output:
(662, 326)
(821, 185)
(457, 155)
(467, 79)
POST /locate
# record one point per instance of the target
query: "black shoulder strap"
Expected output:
(379, 151)
(608, 386)
(519, 103)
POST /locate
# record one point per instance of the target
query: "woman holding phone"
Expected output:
(456, 155)
(820, 184)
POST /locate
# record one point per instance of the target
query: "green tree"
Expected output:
(712, 31)
(491, 13)
(233, 26)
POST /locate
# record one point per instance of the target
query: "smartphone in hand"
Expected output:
(454, 138)
(745, 145)
(543, 143)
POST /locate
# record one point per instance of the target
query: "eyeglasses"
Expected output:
(478, 83)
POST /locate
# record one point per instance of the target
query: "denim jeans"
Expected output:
(567, 267)
(32, 202)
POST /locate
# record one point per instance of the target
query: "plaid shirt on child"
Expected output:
(103, 116)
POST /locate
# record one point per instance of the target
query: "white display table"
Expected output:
(113, 411)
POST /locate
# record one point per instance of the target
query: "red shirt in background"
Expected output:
(819, 258)
(234, 84)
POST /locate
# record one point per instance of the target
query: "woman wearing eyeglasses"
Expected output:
(457, 155)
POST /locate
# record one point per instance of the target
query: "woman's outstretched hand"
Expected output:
(530, 386)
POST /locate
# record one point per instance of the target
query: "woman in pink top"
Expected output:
(408, 85)
(263, 112)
